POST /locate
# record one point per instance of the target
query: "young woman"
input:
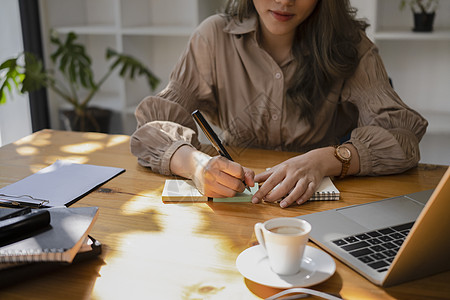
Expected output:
(297, 75)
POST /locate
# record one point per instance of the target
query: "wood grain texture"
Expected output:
(156, 250)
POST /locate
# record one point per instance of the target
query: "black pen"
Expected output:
(11, 213)
(15, 227)
(212, 137)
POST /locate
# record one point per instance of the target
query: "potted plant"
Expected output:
(424, 12)
(26, 73)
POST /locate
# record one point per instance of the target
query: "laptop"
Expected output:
(390, 241)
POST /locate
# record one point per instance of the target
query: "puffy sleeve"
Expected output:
(164, 121)
(388, 133)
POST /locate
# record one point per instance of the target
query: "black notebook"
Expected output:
(59, 242)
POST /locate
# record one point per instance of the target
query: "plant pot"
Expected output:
(423, 22)
(93, 119)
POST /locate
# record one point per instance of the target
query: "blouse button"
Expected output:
(274, 117)
(278, 75)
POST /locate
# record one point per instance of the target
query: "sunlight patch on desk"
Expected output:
(37, 167)
(27, 150)
(184, 220)
(79, 159)
(175, 245)
(35, 143)
(187, 263)
(83, 148)
(31, 139)
(139, 204)
(93, 136)
(24, 140)
(117, 140)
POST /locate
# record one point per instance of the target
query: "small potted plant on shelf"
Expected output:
(424, 12)
(26, 73)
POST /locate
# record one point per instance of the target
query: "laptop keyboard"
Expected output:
(376, 248)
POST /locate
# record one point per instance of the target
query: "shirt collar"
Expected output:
(247, 25)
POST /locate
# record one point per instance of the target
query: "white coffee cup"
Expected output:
(284, 240)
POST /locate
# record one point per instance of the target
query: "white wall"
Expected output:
(15, 120)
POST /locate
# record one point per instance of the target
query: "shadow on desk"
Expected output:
(263, 291)
(425, 288)
(32, 274)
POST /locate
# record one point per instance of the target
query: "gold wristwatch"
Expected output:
(344, 155)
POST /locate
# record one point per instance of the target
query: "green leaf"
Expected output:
(35, 76)
(424, 6)
(131, 65)
(2, 97)
(9, 64)
(74, 62)
(12, 78)
(123, 71)
(24, 73)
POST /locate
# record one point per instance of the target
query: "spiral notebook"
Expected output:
(13, 273)
(326, 191)
(179, 190)
(60, 242)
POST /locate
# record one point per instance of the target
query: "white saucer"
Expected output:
(317, 266)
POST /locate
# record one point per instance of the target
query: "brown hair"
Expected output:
(326, 47)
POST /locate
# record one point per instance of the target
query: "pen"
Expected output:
(212, 137)
(18, 226)
(15, 213)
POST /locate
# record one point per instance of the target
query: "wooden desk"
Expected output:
(154, 250)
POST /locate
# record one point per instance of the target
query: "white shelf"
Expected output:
(439, 121)
(417, 62)
(409, 35)
(138, 30)
(91, 29)
(159, 30)
(154, 31)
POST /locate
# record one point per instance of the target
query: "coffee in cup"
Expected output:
(287, 230)
(284, 240)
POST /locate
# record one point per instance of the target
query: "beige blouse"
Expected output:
(239, 87)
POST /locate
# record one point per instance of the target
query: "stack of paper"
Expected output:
(60, 242)
(64, 242)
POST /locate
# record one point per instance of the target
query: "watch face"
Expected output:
(344, 152)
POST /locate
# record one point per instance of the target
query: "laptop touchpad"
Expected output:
(384, 213)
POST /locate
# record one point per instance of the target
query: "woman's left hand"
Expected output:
(295, 179)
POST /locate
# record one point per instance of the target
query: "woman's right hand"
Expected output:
(224, 178)
(215, 177)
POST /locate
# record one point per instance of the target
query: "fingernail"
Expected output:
(283, 204)
(255, 200)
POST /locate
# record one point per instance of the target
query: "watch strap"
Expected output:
(345, 161)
